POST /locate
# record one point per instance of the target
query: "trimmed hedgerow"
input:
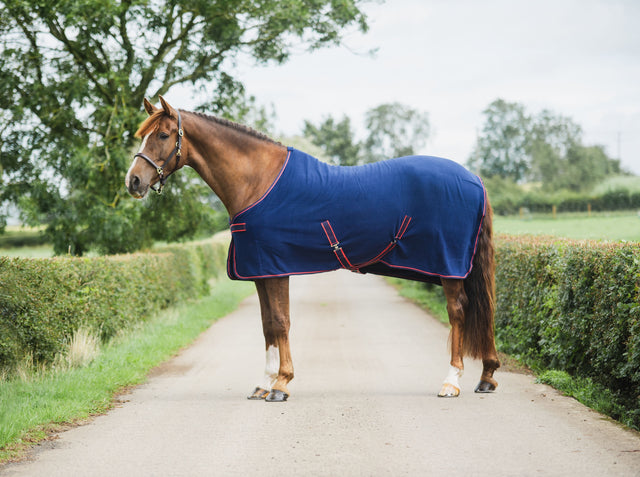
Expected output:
(565, 201)
(573, 306)
(43, 301)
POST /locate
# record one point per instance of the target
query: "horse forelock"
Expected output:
(149, 124)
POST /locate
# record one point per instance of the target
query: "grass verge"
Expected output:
(46, 401)
(592, 395)
(426, 296)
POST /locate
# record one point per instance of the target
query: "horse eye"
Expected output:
(163, 135)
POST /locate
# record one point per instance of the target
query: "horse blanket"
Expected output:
(415, 217)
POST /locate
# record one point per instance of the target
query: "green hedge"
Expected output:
(573, 306)
(566, 201)
(43, 301)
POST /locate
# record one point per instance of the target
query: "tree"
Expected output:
(545, 148)
(336, 139)
(74, 74)
(501, 149)
(551, 137)
(394, 130)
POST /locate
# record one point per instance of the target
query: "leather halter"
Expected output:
(177, 151)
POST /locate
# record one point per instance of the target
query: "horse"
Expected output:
(253, 176)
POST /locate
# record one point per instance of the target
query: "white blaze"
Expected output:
(142, 146)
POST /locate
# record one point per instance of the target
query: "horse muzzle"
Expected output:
(135, 186)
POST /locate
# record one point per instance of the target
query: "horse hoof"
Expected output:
(258, 394)
(485, 387)
(277, 396)
(449, 391)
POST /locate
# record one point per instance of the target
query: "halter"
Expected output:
(177, 151)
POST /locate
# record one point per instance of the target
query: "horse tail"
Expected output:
(479, 286)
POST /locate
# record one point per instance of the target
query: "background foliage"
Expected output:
(544, 148)
(392, 130)
(74, 74)
(507, 198)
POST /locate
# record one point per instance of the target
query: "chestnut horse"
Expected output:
(241, 167)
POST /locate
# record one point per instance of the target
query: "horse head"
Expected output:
(161, 150)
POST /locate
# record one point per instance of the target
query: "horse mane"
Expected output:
(149, 124)
(237, 127)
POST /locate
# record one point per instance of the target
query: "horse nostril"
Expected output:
(135, 182)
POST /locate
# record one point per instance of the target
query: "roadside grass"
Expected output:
(614, 226)
(426, 296)
(43, 401)
(592, 395)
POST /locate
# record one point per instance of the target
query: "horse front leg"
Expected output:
(456, 306)
(274, 308)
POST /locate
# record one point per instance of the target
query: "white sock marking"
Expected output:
(271, 368)
(453, 376)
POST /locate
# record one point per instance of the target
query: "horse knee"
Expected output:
(280, 324)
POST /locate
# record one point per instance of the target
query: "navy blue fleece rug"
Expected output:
(416, 217)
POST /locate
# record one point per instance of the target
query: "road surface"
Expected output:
(368, 367)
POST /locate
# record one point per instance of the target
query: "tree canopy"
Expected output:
(393, 130)
(337, 139)
(546, 148)
(74, 74)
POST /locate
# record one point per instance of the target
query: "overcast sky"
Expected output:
(451, 58)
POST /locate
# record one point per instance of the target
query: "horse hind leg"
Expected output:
(490, 363)
(456, 305)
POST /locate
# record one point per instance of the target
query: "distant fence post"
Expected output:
(589, 209)
(554, 210)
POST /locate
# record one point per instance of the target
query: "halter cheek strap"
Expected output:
(177, 151)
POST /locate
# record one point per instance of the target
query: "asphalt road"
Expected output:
(368, 367)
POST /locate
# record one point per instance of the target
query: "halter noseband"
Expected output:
(177, 151)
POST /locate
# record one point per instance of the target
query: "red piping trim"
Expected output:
(241, 227)
(342, 256)
(254, 277)
(328, 231)
(403, 227)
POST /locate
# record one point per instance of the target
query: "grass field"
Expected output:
(17, 241)
(611, 226)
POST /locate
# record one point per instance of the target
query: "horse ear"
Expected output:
(167, 108)
(150, 108)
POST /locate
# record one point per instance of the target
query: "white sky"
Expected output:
(578, 58)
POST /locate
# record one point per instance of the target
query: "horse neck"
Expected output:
(237, 166)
